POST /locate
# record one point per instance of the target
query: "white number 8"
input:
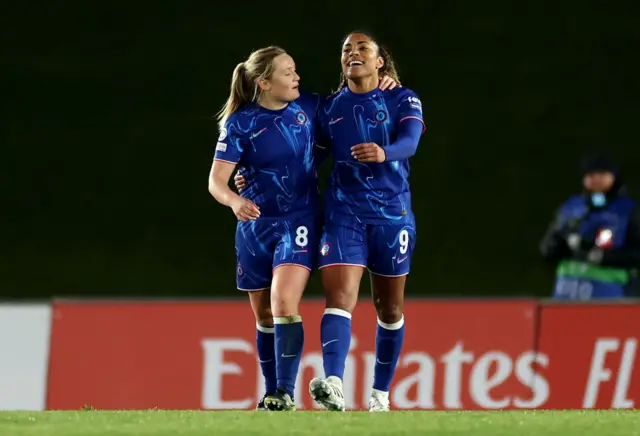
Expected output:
(403, 238)
(301, 236)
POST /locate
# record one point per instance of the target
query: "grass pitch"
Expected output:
(210, 423)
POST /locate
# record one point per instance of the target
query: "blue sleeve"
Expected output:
(406, 143)
(310, 102)
(410, 127)
(321, 149)
(409, 107)
(321, 153)
(229, 147)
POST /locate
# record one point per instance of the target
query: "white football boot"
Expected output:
(328, 393)
(379, 401)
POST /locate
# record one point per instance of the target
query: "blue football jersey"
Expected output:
(275, 150)
(375, 193)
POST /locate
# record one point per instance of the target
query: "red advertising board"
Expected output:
(457, 355)
(592, 354)
(202, 355)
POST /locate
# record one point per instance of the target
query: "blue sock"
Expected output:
(289, 344)
(335, 334)
(267, 356)
(389, 339)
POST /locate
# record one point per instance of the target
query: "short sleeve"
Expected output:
(229, 147)
(410, 108)
(311, 104)
(323, 132)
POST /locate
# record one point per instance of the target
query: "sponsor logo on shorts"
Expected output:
(326, 249)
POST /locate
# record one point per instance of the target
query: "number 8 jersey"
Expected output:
(275, 151)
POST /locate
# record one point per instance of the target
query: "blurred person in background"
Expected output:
(594, 240)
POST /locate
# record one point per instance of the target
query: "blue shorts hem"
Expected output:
(341, 264)
(388, 275)
(292, 264)
(253, 290)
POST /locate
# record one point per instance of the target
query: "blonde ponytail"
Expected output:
(244, 82)
(240, 94)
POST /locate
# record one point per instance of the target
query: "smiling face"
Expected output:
(360, 57)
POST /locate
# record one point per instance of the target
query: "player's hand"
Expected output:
(368, 152)
(245, 210)
(387, 82)
(239, 181)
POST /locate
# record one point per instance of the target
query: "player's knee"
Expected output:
(264, 317)
(389, 314)
(342, 298)
(285, 306)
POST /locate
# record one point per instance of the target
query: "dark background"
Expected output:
(108, 136)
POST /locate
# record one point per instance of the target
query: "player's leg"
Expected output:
(390, 256)
(388, 297)
(253, 275)
(294, 258)
(343, 255)
(265, 341)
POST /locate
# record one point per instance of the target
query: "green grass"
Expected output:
(89, 422)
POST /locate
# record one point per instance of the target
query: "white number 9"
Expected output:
(403, 238)
(301, 236)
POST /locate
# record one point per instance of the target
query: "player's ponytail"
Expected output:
(389, 67)
(244, 82)
(240, 93)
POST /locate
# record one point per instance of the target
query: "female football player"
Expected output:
(369, 222)
(267, 127)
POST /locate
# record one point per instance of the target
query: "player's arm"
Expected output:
(321, 148)
(228, 153)
(219, 177)
(320, 153)
(403, 147)
(409, 130)
(406, 143)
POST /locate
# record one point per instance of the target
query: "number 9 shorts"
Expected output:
(385, 249)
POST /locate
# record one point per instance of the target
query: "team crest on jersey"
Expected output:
(604, 238)
(223, 134)
(381, 116)
(301, 117)
(326, 249)
(240, 270)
